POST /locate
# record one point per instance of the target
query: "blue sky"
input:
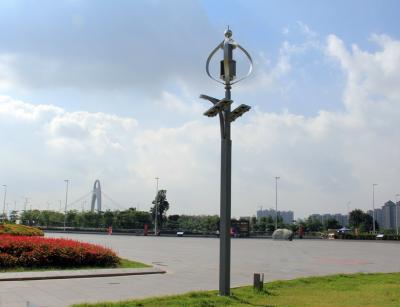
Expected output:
(109, 90)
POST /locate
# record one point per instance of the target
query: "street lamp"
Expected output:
(222, 108)
(276, 202)
(156, 207)
(397, 215)
(66, 203)
(4, 203)
(26, 203)
(373, 205)
(348, 211)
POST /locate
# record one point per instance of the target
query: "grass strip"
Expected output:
(334, 290)
(123, 264)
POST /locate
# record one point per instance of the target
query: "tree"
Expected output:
(162, 207)
(366, 225)
(331, 224)
(253, 224)
(293, 227)
(356, 218)
(313, 224)
(262, 224)
(173, 222)
(108, 218)
(14, 216)
(362, 221)
(30, 217)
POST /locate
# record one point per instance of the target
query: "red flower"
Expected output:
(51, 252)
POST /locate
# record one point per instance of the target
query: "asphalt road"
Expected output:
(192, 264)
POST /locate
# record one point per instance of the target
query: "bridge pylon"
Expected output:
(96, 195)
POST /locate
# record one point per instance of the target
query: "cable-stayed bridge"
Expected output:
(99, 200)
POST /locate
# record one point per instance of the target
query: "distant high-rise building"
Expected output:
(389, 215)
(287, 216)
(386, 216)
(342, 219)
(379, 218)
(317, 217)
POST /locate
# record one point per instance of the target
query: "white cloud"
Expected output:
(323, 160)
(306, 30)
(271, 75)
(7, 77)
(76, 46)
(183, 105)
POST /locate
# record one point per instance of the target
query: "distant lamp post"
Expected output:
(348, 206)
(373, 205)
(4, 203)
(397, 214)
(276, 202)
(348, 212)
(222, 108)
(66, 203)
(156, 207)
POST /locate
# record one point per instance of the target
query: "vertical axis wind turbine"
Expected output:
(222, 108)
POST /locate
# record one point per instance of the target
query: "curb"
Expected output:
(70, 274)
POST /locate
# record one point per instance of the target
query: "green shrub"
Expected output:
(20, 230)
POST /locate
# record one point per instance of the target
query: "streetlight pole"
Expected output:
(156, 207)
(222, 108)
(348, 211)
(276, 202)
(66, 203)
(4, 203)
(397, 214)
(373, 205)
(26, 203)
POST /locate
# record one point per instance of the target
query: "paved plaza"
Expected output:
(192, 264)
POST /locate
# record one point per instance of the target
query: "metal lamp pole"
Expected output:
(222, 108)
(348, 212)
(397, 215)
(4, 203)
(276, 202)
(66, 203)
(373, 205)
(156, 207)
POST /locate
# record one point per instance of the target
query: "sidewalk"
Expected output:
(66, 274)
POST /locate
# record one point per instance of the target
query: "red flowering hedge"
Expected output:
(22, 251)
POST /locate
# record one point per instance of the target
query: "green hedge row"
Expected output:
(19, 230)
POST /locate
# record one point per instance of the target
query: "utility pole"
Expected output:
(4, 203)
(373, 205)
(156, 208)
(66, 203)
(276, 202)
(348, 212)
(397, 214)
(26, 203)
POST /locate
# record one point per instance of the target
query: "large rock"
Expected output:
(282, 234)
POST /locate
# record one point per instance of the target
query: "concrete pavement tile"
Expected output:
(193, 263)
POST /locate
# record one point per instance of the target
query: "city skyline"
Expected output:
(92, 91)
(85, 205)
